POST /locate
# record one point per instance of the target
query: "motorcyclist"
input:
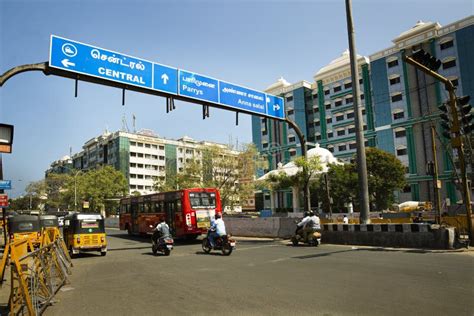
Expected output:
(217, 229)
(309, 224)
(162, 230)
(302, 223)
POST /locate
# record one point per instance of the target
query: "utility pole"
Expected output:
(436, 182)
(360, 141)
(326, 182)
(306, 194)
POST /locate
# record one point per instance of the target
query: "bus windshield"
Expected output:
(202, 199)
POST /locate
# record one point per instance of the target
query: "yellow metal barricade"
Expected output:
(36, 276)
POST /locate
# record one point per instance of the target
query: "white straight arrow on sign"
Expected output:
(165, 78)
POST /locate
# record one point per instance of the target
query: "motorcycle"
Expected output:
(312, 239)
(162, 244)
(224, 243)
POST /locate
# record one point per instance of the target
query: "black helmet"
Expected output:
(311, 213)
(218, 215)
(306, 214)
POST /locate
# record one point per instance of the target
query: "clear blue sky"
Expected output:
(251, 43)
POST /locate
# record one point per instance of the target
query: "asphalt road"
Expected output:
(265, 277)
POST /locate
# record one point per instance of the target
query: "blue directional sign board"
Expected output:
(85, 59)
(93, 61)
(198, 87)
(5, 184)
(242, 98)
(165, 78)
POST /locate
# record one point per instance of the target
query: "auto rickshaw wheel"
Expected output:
(103, 253)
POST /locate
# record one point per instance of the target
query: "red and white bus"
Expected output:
(188, 212)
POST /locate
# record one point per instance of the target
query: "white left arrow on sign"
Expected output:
(66, 63)
(165, 78)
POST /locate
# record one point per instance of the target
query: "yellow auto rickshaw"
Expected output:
(84, 233)
(24, 227)
(47, 221)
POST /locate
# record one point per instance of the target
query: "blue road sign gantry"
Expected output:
(97, 62)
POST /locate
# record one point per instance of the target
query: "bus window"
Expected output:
(146, 207)
(202, 199)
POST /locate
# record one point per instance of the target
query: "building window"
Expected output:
(446, 44)
(341, 147)
(341, 132)
(395, 80)
(401, 151)
(351, 130)
(393, 63)
(315, 96)
(316, 110)
(328, 106)
(348, 85)
(400, 133)
(317, 123)
(291, 112)
(349, 100)
(291, 139)
(140, 144)
(339, 118)
(330, 134)
(326, 92)
(162, 147)
(162, 157)
(265, 145)
(133, 165)
(350, 115)
(318, 137)
(133, 143)
(396, 97)
(289, 99)
(147, 146)
(362, 96)
(329, 120)
(449, 64)
(398, 115)
(337, 89)
(292, 153)
(331, 149)
(265, 132)
(352, 146)
(338, 103)
(132, 154)
(365, 127)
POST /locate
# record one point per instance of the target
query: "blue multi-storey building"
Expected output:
(399, 105)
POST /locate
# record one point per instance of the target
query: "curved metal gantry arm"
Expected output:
(24, 68)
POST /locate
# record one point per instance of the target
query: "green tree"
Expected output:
(342, 184)
(102, 188)
(386, 174)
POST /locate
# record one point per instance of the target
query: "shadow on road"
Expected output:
(147, 239)
(128, 248)
(377, 249)
(209, 254)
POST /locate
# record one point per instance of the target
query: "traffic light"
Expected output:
(445, 124)
(465, 114)
(426, 59)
